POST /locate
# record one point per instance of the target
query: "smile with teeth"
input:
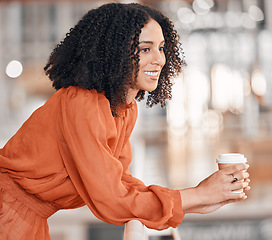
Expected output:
(153, 74)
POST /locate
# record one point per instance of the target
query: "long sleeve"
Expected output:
(172, 196)
(94, 147)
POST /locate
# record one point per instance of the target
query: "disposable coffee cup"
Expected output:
(227, 159)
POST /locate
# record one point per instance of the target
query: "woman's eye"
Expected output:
(145, 50)
(161, 48)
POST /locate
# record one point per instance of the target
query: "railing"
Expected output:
(135, 230)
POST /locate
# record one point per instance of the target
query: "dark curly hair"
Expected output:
(102, 50)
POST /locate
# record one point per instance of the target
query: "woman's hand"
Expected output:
(216, 190)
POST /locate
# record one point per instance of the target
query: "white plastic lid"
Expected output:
(231, 158)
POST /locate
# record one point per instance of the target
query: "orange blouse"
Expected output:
(72, 152)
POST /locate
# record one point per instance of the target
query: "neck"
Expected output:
(131, 94)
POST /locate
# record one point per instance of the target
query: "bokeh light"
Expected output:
(14, 69)
(258, 83)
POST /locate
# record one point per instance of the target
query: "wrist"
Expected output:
(189, 198)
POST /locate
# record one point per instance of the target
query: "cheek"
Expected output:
(144, 60)
(164, 59)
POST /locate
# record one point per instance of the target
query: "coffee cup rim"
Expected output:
(231, 161)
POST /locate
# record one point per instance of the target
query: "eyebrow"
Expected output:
(150, 42)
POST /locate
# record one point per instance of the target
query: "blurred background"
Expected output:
(221, 103)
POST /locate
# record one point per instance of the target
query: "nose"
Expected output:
(158, 58)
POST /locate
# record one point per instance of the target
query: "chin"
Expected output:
(147, 85)
(152, 89)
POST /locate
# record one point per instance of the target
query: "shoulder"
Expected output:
(76, 102)
(78, 94)
(82, 98)
(79, 101)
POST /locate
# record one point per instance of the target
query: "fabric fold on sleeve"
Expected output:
(177, 211)
(87, 141)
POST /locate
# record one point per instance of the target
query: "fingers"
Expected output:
(248, 187)
(237, 196)
(219, 187)
(241, 198)
(239, 176)
(239, 181)
(237, 173)
(239, 185)
(235, 168)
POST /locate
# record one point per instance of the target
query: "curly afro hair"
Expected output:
(101, 52)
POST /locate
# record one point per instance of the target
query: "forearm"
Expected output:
(190, 199)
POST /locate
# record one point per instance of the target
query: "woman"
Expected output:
(75, 149)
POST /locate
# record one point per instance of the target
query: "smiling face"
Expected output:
(152, 58)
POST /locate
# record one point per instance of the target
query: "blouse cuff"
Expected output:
(178, 213)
